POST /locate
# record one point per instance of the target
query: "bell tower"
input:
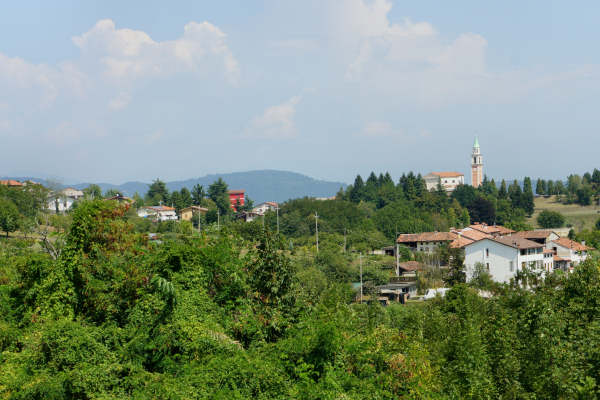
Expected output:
(476, 165)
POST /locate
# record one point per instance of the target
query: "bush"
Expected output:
(550, 219)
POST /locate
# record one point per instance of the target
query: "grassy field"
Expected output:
(580, 217)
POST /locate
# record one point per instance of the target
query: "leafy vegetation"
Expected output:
(550, 219)
(221, 315)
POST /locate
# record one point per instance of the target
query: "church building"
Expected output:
(476, 165)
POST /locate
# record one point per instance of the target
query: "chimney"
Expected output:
(583, 242)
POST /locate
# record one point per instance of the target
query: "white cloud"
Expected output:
(379, 129)
(129, 54)
(407, 57)
(276, 122)
(120, 102)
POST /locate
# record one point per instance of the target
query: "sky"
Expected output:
(116, 91)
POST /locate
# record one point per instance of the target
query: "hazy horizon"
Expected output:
(116, 92)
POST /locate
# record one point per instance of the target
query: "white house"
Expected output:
(63, 200)
(503, 256)
(448, 180)
(158, 213)
(264, 207)
(569, 253)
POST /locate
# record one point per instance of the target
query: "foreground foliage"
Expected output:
(220, 316)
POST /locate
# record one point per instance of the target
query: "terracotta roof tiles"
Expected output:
(427, 237)
(571, 244)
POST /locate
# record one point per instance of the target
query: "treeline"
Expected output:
(578, 190)
(377, 208)
(21, 207)
(213, 197)
(506, 205)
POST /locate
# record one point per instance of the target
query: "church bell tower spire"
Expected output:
(476, 165)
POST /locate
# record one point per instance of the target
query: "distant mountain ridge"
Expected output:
(260, 185)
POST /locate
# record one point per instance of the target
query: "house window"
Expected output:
(487, 252)
(487, 265)
(511, 266)
(523, 265)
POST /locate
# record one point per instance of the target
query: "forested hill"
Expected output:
(263, 185)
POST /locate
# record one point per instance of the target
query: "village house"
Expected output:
(158, 213)
(186, 214)
(448, 180)
(426, 242)
(542, 236)
(236, 197)
(249, 216)
(568, 253)
(503, 257)
(409, 268)
(494, 230)
(549, 260)
(63, 200)
(11, 183)
(262, 208)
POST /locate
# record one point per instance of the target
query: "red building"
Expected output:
(236, 197)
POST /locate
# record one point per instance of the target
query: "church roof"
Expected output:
(476, 144)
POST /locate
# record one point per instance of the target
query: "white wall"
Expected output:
(64, 204)
(499, 259)
(452, 182)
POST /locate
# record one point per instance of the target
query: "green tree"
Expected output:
(93, 191)
(503, 192)
(550, 219)
(198, 194)
(550, 189)
(539, 187)
(138, 201)
(596, 176)
(515, 193)
(584, 194)
(112, 192)
(218, 193)
(158, 192)
(559, 188)
(186, 197)
(176, 200)
(456, 274)
(357, 192)
(9, 216)
(527, 202)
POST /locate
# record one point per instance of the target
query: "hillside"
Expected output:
(579, 217)
(262, 185)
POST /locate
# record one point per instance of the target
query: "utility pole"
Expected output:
(361, 281)
(218, 219)
(263, 221)
(344, 240)
(397, 258)
(199, 222)
(317, 230)
(397, 253)
(277, 212)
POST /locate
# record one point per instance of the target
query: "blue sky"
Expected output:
(116, 91)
